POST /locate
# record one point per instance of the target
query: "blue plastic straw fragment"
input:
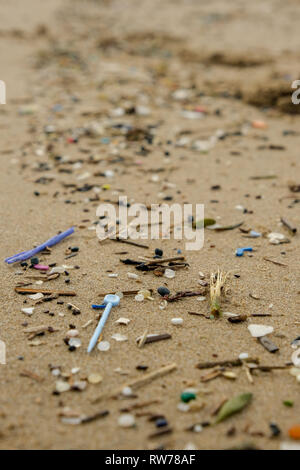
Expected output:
(96, 307)
(240, 251)
(30, 253)
(110, 301)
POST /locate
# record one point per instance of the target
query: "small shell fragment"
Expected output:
(122, 321)
(145, 293)
(296, 358)
(37, 296)
(258, 331)
(169, 273)
(139, 298)
(103, 346)
(295, 371)
(119, 337)
(243, 356)
(28, 310)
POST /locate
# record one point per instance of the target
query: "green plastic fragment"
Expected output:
(187, 396)
(234, 405)
(203, 223)
(288, 403)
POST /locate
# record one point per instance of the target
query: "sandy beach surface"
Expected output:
(163, 102)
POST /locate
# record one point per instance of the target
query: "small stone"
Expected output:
(177, 321)
(72, 333)
(126, 421)
(95, 378)
(80, 385)
(198, 428)
(184, 407)
(127, 392)
(74, 342)
(34, 261)
(132, 276)
(161, 422)
(190, 446)
(62, 386)
(163, 291)
(274, 430)
(260, 330)
(158, 252)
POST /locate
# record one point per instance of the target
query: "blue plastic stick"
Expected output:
(30, 253)
(110, 301)
(240, 251)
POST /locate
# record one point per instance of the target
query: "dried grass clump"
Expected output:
(217, 283)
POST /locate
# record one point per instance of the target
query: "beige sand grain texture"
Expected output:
(91, 58)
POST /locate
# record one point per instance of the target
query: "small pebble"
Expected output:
(163, 291)
(126, 421)
(296, 358)
(75, 342)
(62, 386)
(177, 321)
(127, 392)
(161, 422)
(95, 378)
(132, 276)
(72, 333)
(274, 430)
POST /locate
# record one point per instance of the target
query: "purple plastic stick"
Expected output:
(30, 253)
